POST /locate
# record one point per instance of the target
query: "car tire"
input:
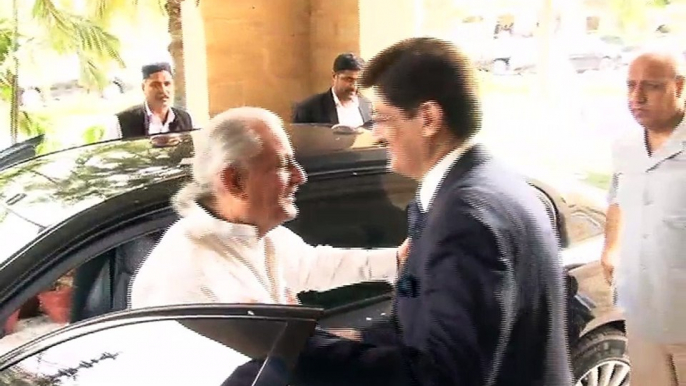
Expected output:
(601, 357)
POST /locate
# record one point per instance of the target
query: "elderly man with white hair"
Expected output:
(229, 245)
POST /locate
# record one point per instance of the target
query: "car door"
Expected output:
(98, 271)
(182, 345)
(359, 210)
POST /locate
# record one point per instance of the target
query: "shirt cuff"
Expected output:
(383, 264)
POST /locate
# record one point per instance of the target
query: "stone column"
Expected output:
(383, 23)
(195, 63)
(258, 53)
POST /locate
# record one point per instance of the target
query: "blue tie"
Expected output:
(416, 220)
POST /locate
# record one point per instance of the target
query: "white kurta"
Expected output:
(201, 259)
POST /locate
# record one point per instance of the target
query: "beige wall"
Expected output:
(257, 52)
(334, 28)
(272, 53)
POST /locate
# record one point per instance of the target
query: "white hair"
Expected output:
(228, 140)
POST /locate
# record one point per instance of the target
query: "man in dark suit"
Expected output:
(155, 115)
(480, 300)
(341, 103)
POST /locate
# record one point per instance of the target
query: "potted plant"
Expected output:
(56, 302)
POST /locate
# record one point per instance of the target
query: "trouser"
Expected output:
(655, 364)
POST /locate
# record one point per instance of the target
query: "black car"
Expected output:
(91, 215)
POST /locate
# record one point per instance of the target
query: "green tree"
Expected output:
(50, 28)
(104, 12)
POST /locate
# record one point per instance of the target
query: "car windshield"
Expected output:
(15, 233)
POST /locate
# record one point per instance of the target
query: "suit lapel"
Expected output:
(329, 107)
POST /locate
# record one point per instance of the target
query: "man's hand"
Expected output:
(347, 333)
(608, 261)
(403, 252)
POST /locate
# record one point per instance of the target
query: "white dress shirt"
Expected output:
(434, 177)
(155, 125)
(349, 115)
(202, 259)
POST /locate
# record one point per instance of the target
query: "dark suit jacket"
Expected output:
(321, 108)
(134, 122)
(480, 300)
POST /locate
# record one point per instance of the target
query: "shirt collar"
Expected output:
(170, 113)
(203, 224)
(433, 178)
(680, 131)
(338, 103)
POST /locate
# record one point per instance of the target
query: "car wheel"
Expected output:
(499, 67)
(600, 359)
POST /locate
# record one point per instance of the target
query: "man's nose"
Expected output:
(637, 96)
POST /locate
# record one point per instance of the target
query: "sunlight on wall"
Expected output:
(195, 63)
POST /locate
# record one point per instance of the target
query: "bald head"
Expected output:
(655, 84)
(660, 63)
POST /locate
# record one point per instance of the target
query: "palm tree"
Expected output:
(104, 11)
(59, 31)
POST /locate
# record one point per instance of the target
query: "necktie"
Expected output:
(407, 285)
(416, 220)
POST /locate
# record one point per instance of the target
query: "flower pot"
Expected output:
(56, 304)
(11, 322)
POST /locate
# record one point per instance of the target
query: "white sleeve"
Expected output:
(322, 268)
(112, 130)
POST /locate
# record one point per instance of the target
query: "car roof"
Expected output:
(48, 189)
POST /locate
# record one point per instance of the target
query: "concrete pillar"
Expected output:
(382, 24)
(195, 63)
(273, 53)
(258, 53)
(334, 29)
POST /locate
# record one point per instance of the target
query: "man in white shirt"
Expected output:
(341, 104)
(645, 235)
(156, 115)
(229, 245)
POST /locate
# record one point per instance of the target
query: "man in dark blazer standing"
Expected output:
(480, 299)
(341, 103)
(155, 115)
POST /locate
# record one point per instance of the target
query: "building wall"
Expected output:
(258, 52)
(273, 53)
(334, 28)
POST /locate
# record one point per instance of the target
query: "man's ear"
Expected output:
(233, 179)
(431, 115)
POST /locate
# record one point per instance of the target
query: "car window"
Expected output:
(164, 352)
(96, 287)
(360, 211)
(15, 232)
